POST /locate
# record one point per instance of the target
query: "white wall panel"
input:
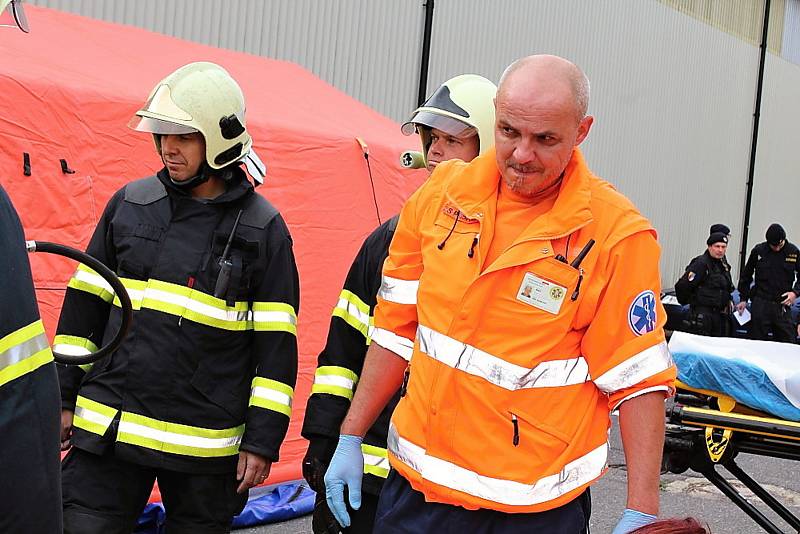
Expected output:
(672, 96)
(776, 192)
(368, 49)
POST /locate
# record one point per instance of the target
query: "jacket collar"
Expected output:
(473, 189)
(238, 187)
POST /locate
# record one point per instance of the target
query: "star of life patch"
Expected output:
(642, 313)
(541, 293)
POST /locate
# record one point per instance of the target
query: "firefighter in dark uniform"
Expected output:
(200, 393)
(707, 282)
(774, 263)
(457, 121)
(30, 478)
(30, 487)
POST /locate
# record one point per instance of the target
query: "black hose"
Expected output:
(113, 281)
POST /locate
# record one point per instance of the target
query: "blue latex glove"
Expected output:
(631, 520)
(345, 470)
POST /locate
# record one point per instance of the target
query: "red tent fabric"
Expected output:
(68, 90)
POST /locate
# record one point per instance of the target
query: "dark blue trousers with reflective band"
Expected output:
(402, 509)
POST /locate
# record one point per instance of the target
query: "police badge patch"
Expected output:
(642, 313)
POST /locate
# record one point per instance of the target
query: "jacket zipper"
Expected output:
(514, 422)
(406, 376)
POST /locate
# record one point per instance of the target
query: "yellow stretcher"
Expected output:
(706, 429)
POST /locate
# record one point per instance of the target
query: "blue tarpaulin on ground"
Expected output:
(265, 505)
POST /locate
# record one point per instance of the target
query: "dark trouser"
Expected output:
(710, 322)
(766, 316)
(105, 495)
(403, 510)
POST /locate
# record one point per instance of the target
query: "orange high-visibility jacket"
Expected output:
(515, 366)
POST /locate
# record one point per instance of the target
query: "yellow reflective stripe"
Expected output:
(274, 316)
(23, 351)
(272, 395)
(135, 289)
(355, 312)
(93, 416)
(86, 279)
(195, 305)
(74, 346)
(376, 460)
(176, 438)
(192, 304)
(335, 380)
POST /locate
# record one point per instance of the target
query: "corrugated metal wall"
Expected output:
(672, 97)
(740, 18)
(673, 81)
(776, 191)
(368, 49)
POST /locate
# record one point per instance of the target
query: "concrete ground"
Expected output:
(688, 494)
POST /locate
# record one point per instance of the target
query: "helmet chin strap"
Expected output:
(199, 178)
(202, 177)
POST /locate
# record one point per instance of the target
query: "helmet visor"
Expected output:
(14, 16)
(156, 126)
(448, 125)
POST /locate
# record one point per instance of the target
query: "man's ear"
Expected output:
(583, 129)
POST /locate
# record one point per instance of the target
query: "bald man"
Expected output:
(537, 316)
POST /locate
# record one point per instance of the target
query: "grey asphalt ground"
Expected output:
(688, 494)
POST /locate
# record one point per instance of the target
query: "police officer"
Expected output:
(707, 282)
(454, 123)
(777, 285)
(209, 267)
(30, 480)
(722, 228)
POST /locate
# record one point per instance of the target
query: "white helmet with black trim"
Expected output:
(459, 106)
(199, 97)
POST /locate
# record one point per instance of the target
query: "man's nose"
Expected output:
(167, 144)
(524, 152)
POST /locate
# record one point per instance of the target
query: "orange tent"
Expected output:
(68, 90)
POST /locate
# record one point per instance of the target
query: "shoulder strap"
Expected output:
(258, 212)
(145, 191)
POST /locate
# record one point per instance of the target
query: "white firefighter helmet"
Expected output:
(12, 14)
(199, 97)
(459, 106)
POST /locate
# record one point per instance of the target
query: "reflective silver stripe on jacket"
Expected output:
(575, 474)
(400, 345)
(398, 290)
(466, 358)
(635, 369)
